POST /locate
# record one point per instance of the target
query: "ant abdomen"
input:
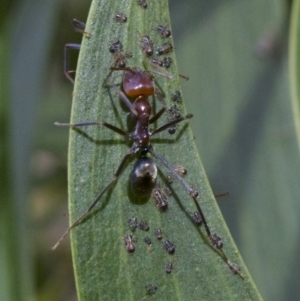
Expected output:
(143, 177)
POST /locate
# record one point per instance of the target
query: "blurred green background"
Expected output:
(235, 53)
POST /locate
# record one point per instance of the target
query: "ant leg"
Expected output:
(173, 122)
(112, 181)
(222, 194)
(79, 26)
(127, 102)
(66, 60)
(157, 115)
(88, 123)
(213, 238)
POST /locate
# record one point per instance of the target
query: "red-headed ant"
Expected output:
(139, 85)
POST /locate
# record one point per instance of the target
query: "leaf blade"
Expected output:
(97, 243)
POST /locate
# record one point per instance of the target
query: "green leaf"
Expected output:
(294, 64)
(103, 268)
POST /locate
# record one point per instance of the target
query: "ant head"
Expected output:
(137, 82)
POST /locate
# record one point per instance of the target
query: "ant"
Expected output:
(139, 85)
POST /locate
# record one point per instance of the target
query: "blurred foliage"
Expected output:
(235, 55)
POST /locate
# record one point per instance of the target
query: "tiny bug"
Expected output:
(217, 241)
(115, 47)
(180, 170)
(133, 223)
(176, 96)
(157, 62)
(120, 59)
(169, 179)
(142, 3)
(158, 234)
(129, 243)
(147, 240)
(169, 247)
(147, 45)
(167, 62)
(121, 18)
(169, 267)
(164, 31)
(173, 114)
(151, 289)
(164, 49)
(197, 218)
(160, 198)
(144, 226)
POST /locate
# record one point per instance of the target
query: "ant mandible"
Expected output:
(139, 85)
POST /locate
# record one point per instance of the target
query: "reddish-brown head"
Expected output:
(137, 82)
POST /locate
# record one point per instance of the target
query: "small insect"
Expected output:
(157, 62)
(164, 49)
(217, 241)
(120, 59)
(121, 18)
(151, 289)
(129, 243)
(133, 223)
(169, 179)
(160, 198)
(116, 47)
(147, 45)
(164, 31)
(169, 267)
(169, 247)
(180, 170)
(144, 226)
(173, 114)
(147, 240)
(197, 218)
(142, 3)
(172, 130)
(176, 96)
(167, 62)
(158, 234)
